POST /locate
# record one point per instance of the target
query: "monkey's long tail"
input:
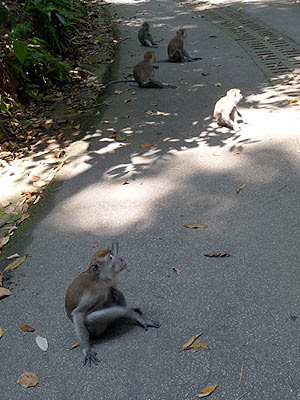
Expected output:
(106, 85)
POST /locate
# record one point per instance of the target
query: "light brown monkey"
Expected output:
(145, 36)
(226, 112)
(143, 74)
(176, 51)
(93, 301)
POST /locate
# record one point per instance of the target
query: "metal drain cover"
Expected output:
(275, 54)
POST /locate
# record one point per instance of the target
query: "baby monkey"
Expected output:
(145, 36)
(226, 112)
(176, 51)
(93, 301)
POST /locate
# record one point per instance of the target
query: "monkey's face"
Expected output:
(182, 33)
(108, 267)
(235, 94)
(145, 25)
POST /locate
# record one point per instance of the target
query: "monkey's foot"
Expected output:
(90, 356)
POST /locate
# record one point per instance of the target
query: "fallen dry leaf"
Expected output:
(195, 225)
(4, 292)
(118, 91)
(124, 182)
(15, 264)
(207, 391)
(218, 65)
(266, 38)
(149, 112)
(217, 254)
(218, 84)
(13, 256)
(1, 280)
(28, 379)
(119, 138)
(60, 136)
(5, 203)
(75, 133)
(74, 346)
(195, 346)
(26, 328)
(178, 271)
(240, 188)
(145, 145)
(95, 244)
(1, 332)
(3, 241)
(48, 124)
(294, 100)
(127, 101)
(190, 341)
(20, 220)
(42, 343)
(205, 73)
(39, 184)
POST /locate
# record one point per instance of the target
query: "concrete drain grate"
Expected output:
(275, 54)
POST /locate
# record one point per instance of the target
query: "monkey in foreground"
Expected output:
(226, 112)
(176, 50)
(145, 36)
(143, 74)
(93, 301)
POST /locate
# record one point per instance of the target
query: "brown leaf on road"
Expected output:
(178, 271)
(1, 332)
(48, 124)
(195, 346)
(124, 182)
(95, 244)
(4, 292)
(26, 328)
(207, 391)
(74, 346)
(190, 341)
(195, 225)
(15, 264)
(217, 254)
(28, 379)
(1, 280)
(146, 145)
(5, 203)
(240, 188)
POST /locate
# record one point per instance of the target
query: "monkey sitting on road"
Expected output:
(93, 301)
(143, 74)
(145, 36)
(226, 112)
(176, 50)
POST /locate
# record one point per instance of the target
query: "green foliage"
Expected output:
(35, 42)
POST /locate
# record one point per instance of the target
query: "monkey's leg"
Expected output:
(83, 335)
(176, 57)
(148, 43)
(106, 316)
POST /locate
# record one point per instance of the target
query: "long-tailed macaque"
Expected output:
(145, 36)
(176, 51)
(226, 112)
(93, 301)
(143, 74)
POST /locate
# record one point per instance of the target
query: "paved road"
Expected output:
(246, 305)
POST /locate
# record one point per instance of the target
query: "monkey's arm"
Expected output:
(83, 337)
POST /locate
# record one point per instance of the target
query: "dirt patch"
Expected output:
(35, 143)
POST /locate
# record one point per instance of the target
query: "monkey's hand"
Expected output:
(152, 324)
(90, 356)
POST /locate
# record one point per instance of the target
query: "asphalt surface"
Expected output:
(246, 305)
